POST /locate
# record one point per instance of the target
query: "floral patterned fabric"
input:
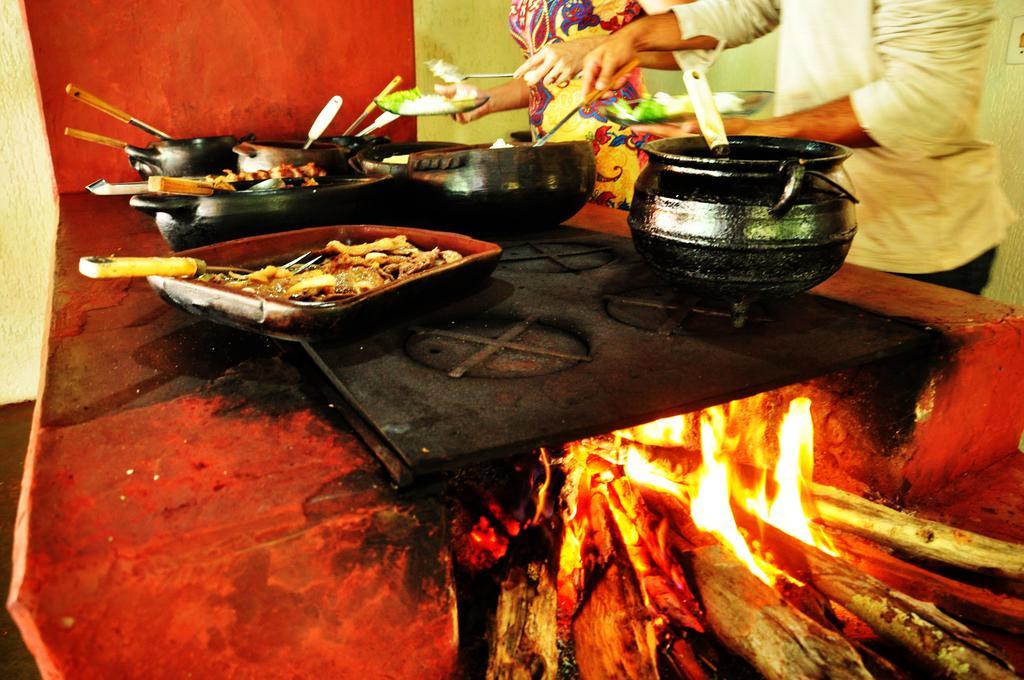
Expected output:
(536, 23)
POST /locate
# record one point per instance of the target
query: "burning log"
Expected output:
(613, 635)
(936, 641)
(916, 538)
(754, 621)
(668, 591)
(684, 662)
(524, 645)
(953, 597)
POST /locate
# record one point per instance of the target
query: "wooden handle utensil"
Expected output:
(706, 111)
(94, 138)
(128, 267)
(388, 89)
(111, 110)
(590, 99)
(187, 187)
(124, 267)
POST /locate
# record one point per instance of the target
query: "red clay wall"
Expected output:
(195, 68)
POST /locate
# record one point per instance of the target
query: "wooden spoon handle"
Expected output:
(395, 82)
(97, 103)
(122, 267)
(388, 89)
(188, 187)
(708, 118)
(95, 138)
(111, 110)
(621, 73)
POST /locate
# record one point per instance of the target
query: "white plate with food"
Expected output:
(415, 103)
(667, 108)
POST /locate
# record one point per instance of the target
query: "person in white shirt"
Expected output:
(898, 80)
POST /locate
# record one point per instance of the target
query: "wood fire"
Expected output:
(699, 545)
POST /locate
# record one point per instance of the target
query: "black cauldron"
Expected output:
(772, 219)
(192, 157)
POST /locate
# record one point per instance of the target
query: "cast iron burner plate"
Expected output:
(574, 336)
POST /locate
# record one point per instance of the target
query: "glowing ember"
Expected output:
(484, 535)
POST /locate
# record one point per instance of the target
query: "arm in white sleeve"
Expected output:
(934, 51)
(734, 22)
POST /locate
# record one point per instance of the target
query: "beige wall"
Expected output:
(28, 213)
(1002, 121)
(474, 36)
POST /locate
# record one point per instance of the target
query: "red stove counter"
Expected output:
(192, 508)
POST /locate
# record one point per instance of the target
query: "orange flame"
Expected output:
(734, 442)
(710, 505)
(671, 431)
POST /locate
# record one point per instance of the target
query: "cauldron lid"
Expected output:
(747, 153)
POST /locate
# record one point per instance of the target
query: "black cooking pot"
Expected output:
(478, 188)
(356, 144)
(370, 161)
(194, 221)
(253, 156)
(193, 157)
(772, 219)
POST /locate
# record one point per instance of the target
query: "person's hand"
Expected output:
(464, 91)
(607, 58)
(557, 63)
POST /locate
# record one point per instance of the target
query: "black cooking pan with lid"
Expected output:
(194, 221)
(772, 219)
(370, 161)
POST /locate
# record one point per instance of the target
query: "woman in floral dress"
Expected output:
(555, 35)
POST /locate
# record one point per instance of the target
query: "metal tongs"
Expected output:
(589, 99)
(712, 127)
(451, 74)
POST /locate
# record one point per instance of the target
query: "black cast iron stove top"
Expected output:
(574, 336)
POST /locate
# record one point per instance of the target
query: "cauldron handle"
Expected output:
(797, 172)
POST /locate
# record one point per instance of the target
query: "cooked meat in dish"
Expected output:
(285, 171)
(343, 271)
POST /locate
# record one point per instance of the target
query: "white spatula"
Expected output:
(704, 108)
(323, 120)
